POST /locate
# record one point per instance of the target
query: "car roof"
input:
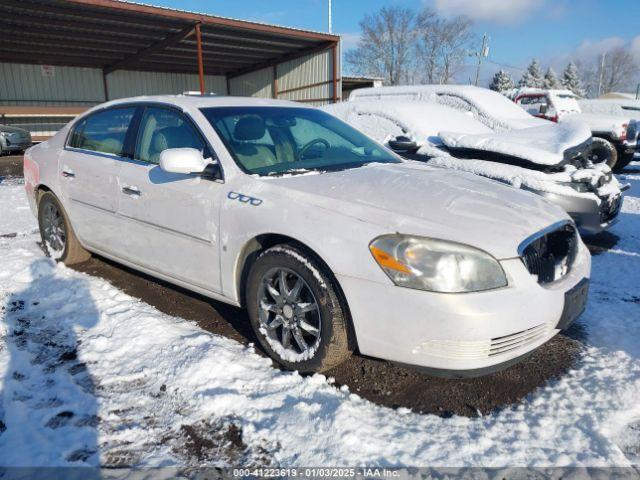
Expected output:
(409, 89)
(202, 101)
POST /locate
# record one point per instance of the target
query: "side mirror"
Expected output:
(182, 160)
(403, 144)
(543, 109)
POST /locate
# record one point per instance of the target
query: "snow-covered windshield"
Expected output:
(565, 102)
(496, 104)
(280, 140)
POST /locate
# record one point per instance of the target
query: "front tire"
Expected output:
(58, 239)
(296, 312)
(603, 151)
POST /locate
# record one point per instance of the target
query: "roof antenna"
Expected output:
(330, 17)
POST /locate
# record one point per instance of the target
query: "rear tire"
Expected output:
(603, 151)
(624, 160)
(58, 238)
(288, 290)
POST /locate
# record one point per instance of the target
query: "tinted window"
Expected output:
(161, 129)
(277, 140)
(103, 131)
(75, 139)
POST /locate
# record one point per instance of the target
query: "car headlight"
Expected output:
(436, 265)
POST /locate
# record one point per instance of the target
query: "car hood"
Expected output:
(543, 144)
(413, 198)
(10, 129)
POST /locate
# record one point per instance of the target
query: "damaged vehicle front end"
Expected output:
(589, 192)
(550, 160)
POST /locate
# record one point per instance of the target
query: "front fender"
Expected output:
(340, 241)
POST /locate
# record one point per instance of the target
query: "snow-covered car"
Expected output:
(13, 139)
(632, 106)
(543, 158)
(331, 241)
(614, 129)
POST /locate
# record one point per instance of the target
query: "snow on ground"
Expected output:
(89, 374)
(15, 215)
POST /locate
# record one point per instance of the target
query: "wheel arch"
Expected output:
(262, 242)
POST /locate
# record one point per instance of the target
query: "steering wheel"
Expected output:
(310, 144)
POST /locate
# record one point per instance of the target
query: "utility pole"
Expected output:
(483, 53)
(601, 79)
(330, 26)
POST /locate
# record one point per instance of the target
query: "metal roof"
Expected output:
(114, 35)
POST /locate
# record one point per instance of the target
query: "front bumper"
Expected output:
(590, 217)
(460, 334)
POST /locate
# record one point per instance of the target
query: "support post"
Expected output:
(105, 86)
(334, 61)
(200, 63)
(275, 81)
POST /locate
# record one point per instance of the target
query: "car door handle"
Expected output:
(68, 174)
(132, 191)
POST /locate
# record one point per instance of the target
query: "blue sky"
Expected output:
(551, 30)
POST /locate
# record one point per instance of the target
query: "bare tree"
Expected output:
(442, 45)
(620, 69)
(386, 46)
(427, 45)
(455, 46)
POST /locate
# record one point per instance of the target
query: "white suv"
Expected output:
(330, 240)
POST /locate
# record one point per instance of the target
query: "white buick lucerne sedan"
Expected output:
(329, 240)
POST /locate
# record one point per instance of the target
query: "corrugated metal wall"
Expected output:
(316, 68)
(125, 83)
(32, 85)
(254, 84)
(308, 70)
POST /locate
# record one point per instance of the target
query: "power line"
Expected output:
(506, 65)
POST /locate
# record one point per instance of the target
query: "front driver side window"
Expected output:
(161, 129)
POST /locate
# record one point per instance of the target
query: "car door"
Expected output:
(88, 168)
(169, 220)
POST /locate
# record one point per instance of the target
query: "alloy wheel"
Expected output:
(55, 234)
(289, 314)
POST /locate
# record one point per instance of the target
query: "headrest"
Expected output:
(250, 127)
(172, 137)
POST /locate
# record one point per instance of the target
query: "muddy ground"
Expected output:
(379, 381)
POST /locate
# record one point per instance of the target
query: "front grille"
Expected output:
(517, 340)
(481, 349)
(550, 256)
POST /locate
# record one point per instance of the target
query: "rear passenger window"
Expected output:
(161, 129)
(103, 132)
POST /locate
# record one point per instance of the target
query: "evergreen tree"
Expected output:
(502, 82)
(551, 80)
(532, 77)
(571, 80)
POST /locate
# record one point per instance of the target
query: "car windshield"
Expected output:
(285, 140)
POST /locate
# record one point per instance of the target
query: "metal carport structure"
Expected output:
(111, 36)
